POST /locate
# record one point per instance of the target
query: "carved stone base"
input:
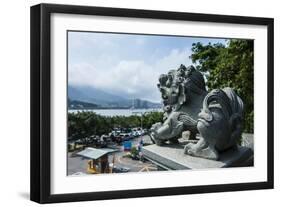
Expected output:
(172, 157)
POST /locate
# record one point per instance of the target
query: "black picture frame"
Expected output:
(41, 97)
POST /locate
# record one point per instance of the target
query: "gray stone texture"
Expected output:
(171, 157)
(216, 116)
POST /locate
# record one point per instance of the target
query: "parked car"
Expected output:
(135, 133)
(120, 169)
(125, 137)
(118, 139)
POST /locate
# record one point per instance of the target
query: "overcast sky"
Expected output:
(126, 65)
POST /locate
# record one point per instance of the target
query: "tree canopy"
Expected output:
(86, 123)
(229, 65)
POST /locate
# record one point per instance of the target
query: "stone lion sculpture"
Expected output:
(216, 116)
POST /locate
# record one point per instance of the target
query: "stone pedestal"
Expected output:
(172, 157)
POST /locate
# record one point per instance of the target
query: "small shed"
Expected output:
(98, 162)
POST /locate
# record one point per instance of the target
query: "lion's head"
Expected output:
(177, 86)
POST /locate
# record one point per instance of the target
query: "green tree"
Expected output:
(229, 65)
(84, 124)
(151, 118)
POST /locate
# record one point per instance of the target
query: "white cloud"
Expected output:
(128, 78)
(127, 65)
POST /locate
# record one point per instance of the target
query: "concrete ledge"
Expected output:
(172, 157)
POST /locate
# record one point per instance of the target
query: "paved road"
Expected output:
(76, 164)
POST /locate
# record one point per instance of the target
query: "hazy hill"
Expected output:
(102, 99)
(74, 104)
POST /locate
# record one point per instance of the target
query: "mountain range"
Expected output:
(90, 97)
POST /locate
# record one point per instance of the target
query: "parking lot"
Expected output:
(78, 164)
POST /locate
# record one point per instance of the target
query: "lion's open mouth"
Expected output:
(206, 123)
